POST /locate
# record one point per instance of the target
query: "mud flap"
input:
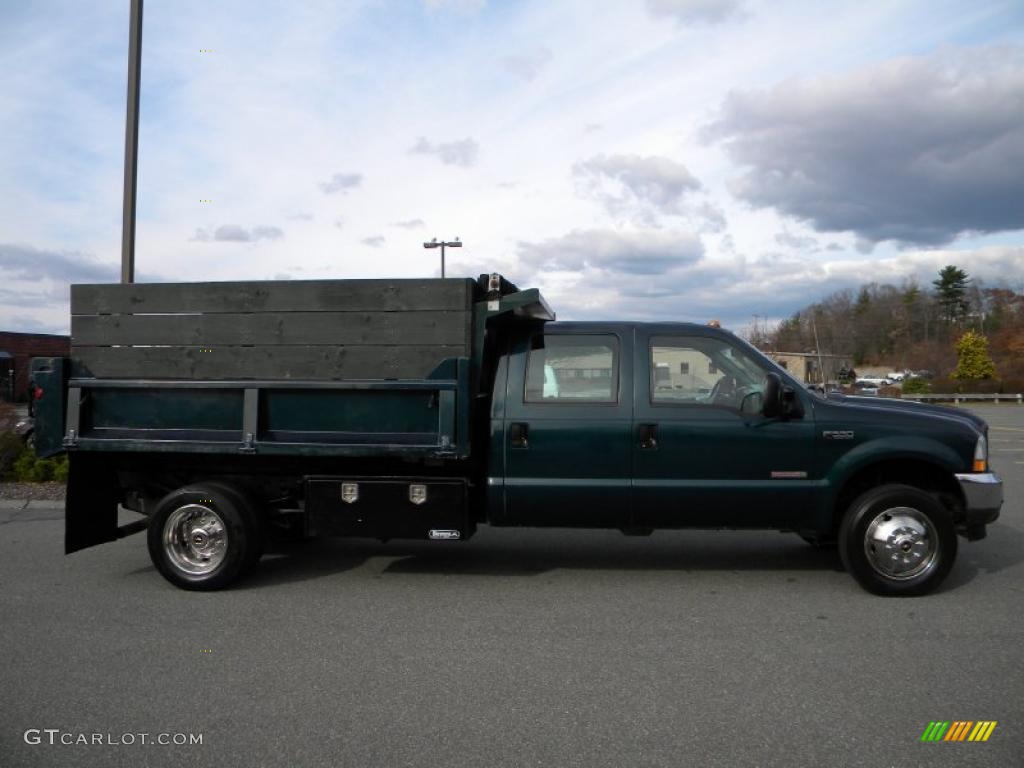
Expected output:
(90, 509)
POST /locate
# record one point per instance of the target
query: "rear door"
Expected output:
(567, 428)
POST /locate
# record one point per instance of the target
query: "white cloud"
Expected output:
(463, 152)
(645, 185)
(460, 6)
(644, 252)
(233, 233)
(341, 182)
(695, 11)
(918, 150)
(22, 262)
(409, 224)
(526, 65)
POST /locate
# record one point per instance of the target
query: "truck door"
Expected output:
(567, 429)
(703, 454)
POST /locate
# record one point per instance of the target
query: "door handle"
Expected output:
(647, 434)
(519, 434)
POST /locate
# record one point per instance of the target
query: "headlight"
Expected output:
(981, 455)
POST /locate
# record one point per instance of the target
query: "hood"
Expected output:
(912, 407)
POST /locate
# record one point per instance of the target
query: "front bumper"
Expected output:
(983, 496)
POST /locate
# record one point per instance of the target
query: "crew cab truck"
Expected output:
(230, 413)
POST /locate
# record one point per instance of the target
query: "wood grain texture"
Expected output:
(283, 329)
(261, 362)
(452, 294)
(414, 327)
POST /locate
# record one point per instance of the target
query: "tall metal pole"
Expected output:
(456, 243)
(131, 143)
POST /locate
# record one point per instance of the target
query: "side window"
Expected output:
(702, 370)
(682, 373)
(572, 369)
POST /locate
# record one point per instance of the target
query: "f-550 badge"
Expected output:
(838, 434)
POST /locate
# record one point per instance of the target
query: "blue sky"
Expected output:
(677, 159)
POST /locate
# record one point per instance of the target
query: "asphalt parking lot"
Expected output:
(518, 648)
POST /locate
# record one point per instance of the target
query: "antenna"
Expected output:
(821, 363)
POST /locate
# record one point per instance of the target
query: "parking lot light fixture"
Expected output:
(434, 243)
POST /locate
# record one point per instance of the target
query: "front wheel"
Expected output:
(204, 536)
(897, 540)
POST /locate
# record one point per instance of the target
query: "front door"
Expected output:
(567, 429)
(703, 454)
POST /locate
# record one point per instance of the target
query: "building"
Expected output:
(806, 366)
(16, 350)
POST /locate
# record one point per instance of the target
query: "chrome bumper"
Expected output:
(983, 493)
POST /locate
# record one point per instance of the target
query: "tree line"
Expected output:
(914, 327)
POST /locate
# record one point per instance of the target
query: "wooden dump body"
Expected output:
(310, 330)
(357, 368)
(331, 367)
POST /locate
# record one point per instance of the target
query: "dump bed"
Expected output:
(327, 367)
(310, 330)
(324, 367)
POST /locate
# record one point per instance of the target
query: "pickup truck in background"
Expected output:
(230, 413)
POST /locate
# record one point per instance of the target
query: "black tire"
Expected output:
(918, 536)
(232, 524)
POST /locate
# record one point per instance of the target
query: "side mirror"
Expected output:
(772, 395)
(791, 408)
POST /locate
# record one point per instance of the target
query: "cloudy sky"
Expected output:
(676, 159)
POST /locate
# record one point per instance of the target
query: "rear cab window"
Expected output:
(572, 368)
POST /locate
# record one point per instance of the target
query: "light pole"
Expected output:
(456, 243)
(131, 143)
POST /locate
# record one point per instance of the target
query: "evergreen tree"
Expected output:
(951, 293)
(973, 361)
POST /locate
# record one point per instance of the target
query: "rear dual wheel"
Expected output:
(204, 536)
(898, 540)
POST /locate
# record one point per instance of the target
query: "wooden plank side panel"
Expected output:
(317, 363)
(452, 294)
(430, 327)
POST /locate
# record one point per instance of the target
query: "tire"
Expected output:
(897, 540)
(225, 536)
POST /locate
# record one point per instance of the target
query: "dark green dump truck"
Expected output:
(229, 414)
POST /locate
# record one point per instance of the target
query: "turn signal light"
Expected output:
(980, 462)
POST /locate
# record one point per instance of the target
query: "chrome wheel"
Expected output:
(195, 539)
(901, 543)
